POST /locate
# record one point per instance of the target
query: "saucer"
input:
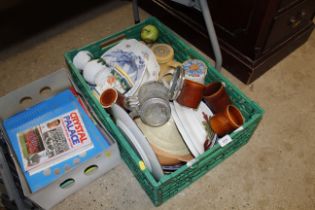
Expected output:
(136, 138)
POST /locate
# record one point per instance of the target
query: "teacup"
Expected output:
(226, 121)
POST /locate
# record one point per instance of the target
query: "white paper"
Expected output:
(225, 140)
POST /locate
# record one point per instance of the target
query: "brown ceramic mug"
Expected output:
(191, 94)
(216, 97)
(111, 96)
(227, 120)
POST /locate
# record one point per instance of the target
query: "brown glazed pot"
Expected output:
(216, 97)
(111, 96)
(191, 94)
(227, 120)
(108, 97)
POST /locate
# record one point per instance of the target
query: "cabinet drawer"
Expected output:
(290, 22)
(284, 4)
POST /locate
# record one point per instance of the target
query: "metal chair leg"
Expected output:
(135, 10)
(212, 35)
(209, 24)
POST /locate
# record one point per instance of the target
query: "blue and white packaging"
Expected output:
(60, 107)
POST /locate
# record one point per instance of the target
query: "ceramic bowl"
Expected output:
(81, 59)
(166, 138)
(166, 159)
(91, 69)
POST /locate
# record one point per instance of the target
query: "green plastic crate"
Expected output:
(169, 185)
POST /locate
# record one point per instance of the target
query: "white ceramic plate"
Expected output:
(135, 143)
(188, 140)
(140, 143)
(195, 121)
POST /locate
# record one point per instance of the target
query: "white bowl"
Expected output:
(91, 69)
(195, 123)
(81, 59)
(165, 137)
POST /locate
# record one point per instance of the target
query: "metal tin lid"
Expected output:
(195, 70)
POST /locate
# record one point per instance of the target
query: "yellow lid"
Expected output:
(163, 52)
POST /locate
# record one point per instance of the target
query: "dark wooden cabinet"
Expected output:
(253, 34)
(22, 19)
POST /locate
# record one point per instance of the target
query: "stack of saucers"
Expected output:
(167, 143)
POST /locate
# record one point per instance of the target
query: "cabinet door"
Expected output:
(233, 17)
(244, 24)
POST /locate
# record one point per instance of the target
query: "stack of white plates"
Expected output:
(184, 134)
(167, 142)
(193, 126)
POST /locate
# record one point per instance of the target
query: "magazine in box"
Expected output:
(53, 141)
(30, 134)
